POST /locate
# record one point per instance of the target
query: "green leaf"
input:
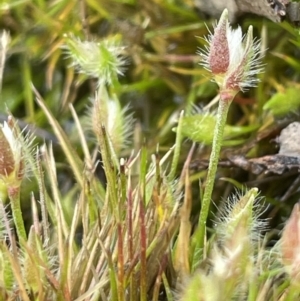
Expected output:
(284, 103)
(200, 128)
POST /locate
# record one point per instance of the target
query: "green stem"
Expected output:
(198, 239)
(14, 197)
(177, 148)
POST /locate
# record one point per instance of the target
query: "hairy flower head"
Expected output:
(233, 59)
(117, 121)
(103, 60)
(13, 149)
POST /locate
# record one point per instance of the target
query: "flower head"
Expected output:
(102, 60)
(12, 154)
(117, 121)
(11, 162)
(233, 59)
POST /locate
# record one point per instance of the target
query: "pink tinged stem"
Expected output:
(158, 281)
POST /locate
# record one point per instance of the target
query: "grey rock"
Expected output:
(289, 140)
(274, 10)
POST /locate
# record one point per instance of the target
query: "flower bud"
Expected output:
(232, 59)
(12, 165)
(117, 121)
(218, 56)
(237, 232)
(102, 60)
(290, 244)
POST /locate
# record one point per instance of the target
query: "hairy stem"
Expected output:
(199, 236)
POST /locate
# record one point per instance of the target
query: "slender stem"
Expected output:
(198, 239)
(14, 197)
(177, 147)
(143, 255)
(120, 275)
